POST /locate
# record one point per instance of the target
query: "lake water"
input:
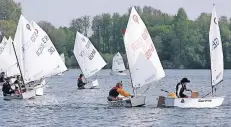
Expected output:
(64, 105)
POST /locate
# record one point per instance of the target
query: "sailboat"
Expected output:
(217, 70)
(35, 58)
(7, 61)
(88, 58)
(144, 64)
(118, 67)
(13, 70)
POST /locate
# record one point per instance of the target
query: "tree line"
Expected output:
(180, 42)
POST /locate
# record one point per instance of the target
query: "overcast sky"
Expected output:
(60, 12)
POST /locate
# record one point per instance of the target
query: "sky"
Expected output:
(61, 12)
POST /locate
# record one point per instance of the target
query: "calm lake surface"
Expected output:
(64, 105)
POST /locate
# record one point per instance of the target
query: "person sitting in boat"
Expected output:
(115, 91)
(182, 84)
(2, 78)
(18, 80)
(6, 88)
(80, 82)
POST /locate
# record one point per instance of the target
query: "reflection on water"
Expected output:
(64, 105)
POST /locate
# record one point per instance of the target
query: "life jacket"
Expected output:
(80, 80)
(113, 92)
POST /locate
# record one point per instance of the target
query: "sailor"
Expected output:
(6, 88)
(182, 85)
(115, 91)
(18, 80)
(80, 82)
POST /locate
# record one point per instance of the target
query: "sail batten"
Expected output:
(216, 52)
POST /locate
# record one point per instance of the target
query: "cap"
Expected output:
(185, 80)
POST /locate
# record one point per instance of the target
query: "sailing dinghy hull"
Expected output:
(39, 88)
(26, 95)
(128, 102)
(93, 85)
(209, 102)
(118, 73)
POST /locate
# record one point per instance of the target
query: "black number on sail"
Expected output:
(40, 49)
(45, 39)
(51, 50)
(82, 53)
(215, 43)
(83, 39)
(91, 56)
(88, 45)
(34, 36)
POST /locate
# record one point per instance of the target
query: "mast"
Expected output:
(19, 68)
(134, 90)
(83, 74)
(214, 41)
(211, 63)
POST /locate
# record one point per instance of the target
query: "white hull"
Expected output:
(128, 102)
(209, 102)
(26, 95)
(118, 73)
(39, 88)
(90, 85)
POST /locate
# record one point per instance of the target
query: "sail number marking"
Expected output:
(141, 42)
(215, 43)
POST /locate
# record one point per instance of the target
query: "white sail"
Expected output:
(216, 52)
(6, 60)
(144, 63)
(89, 59)
(13, 69)
(11, 49)
(63, 57)
(118, 63)
(54, 62)
(4, 41)
(30, 51)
